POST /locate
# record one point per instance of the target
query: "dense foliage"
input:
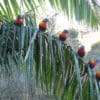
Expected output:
(54, 65)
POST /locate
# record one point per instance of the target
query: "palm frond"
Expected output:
(54, 65)
(81, 10)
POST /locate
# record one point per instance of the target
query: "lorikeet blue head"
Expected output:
(19, 16)
(66, 31)
(82, 47)
(45, 20)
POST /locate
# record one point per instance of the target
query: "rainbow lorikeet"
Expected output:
(19, 20)
(63, 35)
(98, 75)
(43, 25)
(92, 63)
(81, 51)
(1, 23)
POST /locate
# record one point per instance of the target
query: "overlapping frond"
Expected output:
(81, 10)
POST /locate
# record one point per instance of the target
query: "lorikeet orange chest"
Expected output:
(64, 36)
(19, 21)
(98, 75)
(81, 51)
(43, 26)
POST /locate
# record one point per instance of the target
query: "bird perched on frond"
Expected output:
(1, 23)
(63, 35)
(98, 76)
(81, 51)
(43, 25)
(92, 63)
(19, 20)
